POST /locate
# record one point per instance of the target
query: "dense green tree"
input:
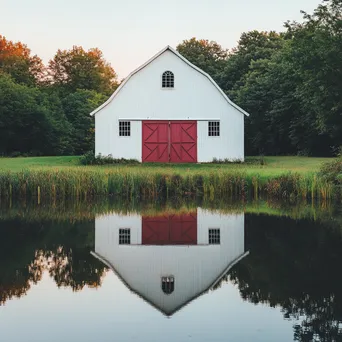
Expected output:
(17, 61)
(316, 56)
(207, 55)
(77, 107)
(295, 94)
(272, 105)
(30, 120)
(252, 46)
(74, 69)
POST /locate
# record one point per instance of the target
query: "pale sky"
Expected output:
(129, 32)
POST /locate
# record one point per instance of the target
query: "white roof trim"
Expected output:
(151, 60)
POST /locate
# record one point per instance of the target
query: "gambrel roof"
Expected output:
(168, 48)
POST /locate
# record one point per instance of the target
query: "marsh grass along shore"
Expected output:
(51, 178)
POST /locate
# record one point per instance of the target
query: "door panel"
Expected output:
(155, 147)
(183, 141)
(183, 229)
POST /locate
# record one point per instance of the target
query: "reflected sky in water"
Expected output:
(114, 313)
(258, 280)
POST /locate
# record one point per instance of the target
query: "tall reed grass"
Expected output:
(143, 184)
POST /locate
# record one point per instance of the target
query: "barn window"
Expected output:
(168, 284)
(214, 236)
(214, 128)
(124, 236)
(124, 128)
(168, 80)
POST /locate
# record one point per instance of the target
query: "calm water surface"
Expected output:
(172, 275)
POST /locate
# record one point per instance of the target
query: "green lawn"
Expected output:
(273, 165)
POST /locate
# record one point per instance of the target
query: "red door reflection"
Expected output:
(170, 229)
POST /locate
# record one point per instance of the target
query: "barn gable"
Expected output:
(167, 48)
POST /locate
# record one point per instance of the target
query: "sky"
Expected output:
(129, 32)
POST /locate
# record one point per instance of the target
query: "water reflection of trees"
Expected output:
(27, 250)
(295, 265)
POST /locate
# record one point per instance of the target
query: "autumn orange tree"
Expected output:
(17, 61)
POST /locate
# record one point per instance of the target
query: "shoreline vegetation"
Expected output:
(75, 211)
(49, 179)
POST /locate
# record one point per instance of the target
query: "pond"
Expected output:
(131, 272)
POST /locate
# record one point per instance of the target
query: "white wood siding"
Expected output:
(194, 97)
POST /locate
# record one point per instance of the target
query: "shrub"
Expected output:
(226, 161)
(284, 186)
(15, 154)
(332, 171)
(303, 153)
(89, 158)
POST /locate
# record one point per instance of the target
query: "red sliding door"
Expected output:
(169, 141)
(170, 230)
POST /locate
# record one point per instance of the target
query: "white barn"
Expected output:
(171, 260)
(169, 110)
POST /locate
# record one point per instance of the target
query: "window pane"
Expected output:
(214, 236)
(214, 128)
(168, 284)
(124, 236)
(124, 128)
(168, 79)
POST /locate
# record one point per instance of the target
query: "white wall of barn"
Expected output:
(195, 268)
(194, 97)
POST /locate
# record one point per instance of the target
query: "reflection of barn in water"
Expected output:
(170, 260)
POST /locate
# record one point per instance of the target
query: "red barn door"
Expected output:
(155, 147)
(183, 141)
(169, 141)
(170, 230)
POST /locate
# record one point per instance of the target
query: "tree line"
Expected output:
(290, 82)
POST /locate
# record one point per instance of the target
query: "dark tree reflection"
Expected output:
(27, 250)
(295, 265)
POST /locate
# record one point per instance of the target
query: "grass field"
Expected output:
(273, 165)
